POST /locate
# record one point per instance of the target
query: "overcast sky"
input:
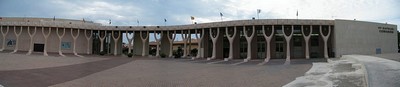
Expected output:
(178, 12)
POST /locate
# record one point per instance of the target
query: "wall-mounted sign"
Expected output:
(386, 30)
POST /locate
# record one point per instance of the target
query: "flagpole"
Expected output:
(165, 22)
(137, 22)
(221, 16)
(258, 13)
(297, 15)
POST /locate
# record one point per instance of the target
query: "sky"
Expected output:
(178, 12)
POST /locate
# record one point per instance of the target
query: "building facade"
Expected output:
(239, 39)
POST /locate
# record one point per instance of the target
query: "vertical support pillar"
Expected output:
(199, 46)
(116, 41)
(171, 42)
(4, 37)
(287, 38)
(32, 40)
(214, 41)
(88, 40)
(158, 40)
(268, 40)
(129, 41)
(59, 41)
(165, 45)
(189, 51)
(249, 40)
(325, 38)
(230, 39)
(74, 46)
(46, 36)
(307, 39)
(102, 40)
(184, 39)
(17, 36)
(144, 39)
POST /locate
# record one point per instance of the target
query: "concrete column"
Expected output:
(230, 39)
(4, 37)
(74, 46)
(189, 47)
(17, 36)
(102, 40)
(287, 38)
(116, 41)
(171, 42)
(307, 40)
(59, 41)
(268, 41)
(144, 40)
(325, 38)
(158, 40)
(88, 38)
(184, 39)
(32, 40)
(165, 45)
(214, 41)
(249, 40)
(46, 36)
(199, 40)
(129, 41)
(137, 44)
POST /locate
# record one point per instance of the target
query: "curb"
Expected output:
(362, 67)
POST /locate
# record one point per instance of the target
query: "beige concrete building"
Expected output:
(239, 39)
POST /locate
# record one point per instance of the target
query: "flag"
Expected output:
(191, 17)
(109, 21)
(54, 18)
(221, 14)
(297, 13)
(165, 20)
(258, 10)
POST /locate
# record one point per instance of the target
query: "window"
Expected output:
(314, 41)
(65, 45)
(11, 42)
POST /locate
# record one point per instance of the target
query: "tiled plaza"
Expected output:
(110, 71)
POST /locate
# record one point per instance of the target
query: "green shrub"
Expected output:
(178, 53)
(130, 55)
(163, 55)
(152, 52)
(103, 53)
(193, 52)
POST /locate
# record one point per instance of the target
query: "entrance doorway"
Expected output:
(297, 50)
(38, 47)
(279, 49)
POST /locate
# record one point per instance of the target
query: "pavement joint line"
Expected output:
(216, 62)
(239, 63)
(262, 63)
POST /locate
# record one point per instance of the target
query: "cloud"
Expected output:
(153, 12)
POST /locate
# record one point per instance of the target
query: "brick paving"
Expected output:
(157, 72)
(50, 76)
(20, 61)
(181, 73)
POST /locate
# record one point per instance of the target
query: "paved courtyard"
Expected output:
(110, 71)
